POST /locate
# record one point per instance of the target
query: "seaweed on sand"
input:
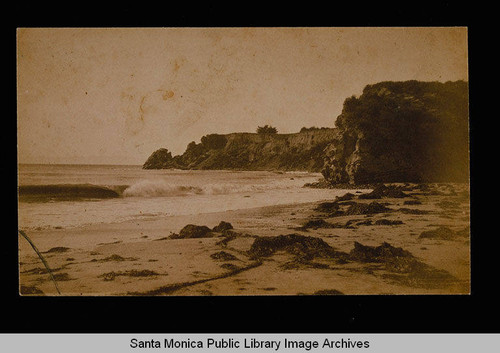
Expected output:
(110, 276)
(171, 288)
(25, 236)
(442, 233)
(321, 223)
(224, 256)
(30, 290)
(306, 247)
(404, 268)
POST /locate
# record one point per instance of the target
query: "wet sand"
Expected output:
(143, 258)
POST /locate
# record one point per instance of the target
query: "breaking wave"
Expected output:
(148, 188)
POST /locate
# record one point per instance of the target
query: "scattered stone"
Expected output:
(222, 227)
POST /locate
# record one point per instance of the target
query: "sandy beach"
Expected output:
(402, 239)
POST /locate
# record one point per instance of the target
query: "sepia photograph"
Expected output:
(243, 161)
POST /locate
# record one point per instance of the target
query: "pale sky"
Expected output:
(113, 96)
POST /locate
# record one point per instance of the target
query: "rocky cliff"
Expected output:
(250, 151)
(402, 131)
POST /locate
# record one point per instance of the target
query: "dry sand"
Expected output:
(139, 258)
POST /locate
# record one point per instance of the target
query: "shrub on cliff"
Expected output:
(267, 129)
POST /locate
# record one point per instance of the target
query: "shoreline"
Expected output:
(139, 257)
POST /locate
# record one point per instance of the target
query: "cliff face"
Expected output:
(250, 151)
(402, 131)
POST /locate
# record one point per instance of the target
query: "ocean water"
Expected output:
(77, 195)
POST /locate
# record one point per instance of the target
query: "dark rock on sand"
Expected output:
(328, 207)
(442, 233)
(194, 231)
(363, 208)
(345, 197)
(390, 191)
(222, 226)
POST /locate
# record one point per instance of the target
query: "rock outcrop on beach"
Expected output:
(402, 131)
(250, 151)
